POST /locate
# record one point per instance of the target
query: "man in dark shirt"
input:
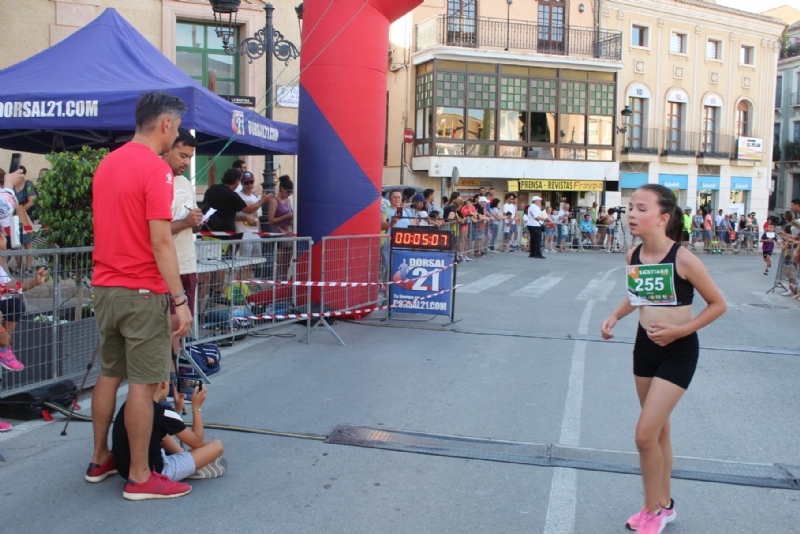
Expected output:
(223, 198)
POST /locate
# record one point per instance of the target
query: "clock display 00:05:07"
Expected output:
(422, 239)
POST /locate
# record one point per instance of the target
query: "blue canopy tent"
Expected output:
(83, 91)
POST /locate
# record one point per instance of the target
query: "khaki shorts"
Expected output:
(135, 334)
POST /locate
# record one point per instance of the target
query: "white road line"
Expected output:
(564, 486)
(538, 287)
(485, 283)
(596, 290)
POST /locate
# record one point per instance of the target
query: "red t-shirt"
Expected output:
(132, 186)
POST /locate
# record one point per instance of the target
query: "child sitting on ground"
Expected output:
(166, 457)
(768, 245)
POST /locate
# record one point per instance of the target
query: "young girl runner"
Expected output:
(666, 350)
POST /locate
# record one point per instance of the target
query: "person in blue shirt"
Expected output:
(587, 229)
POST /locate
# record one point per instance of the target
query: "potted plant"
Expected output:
(65, 213)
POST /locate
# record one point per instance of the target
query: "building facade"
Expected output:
(515, 96)
(183, 30)
(697, 79)
(786, 172)
(528, 95)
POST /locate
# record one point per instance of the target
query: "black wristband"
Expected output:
(176, 304)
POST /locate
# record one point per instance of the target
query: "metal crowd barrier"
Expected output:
(242, 285)
(475, 239)
(478, 239)
(785, 271)
(352, 271)
(239, 292)
(56, 333)
(600, 238)
(361, 259)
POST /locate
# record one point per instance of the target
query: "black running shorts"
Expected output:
(674, 363)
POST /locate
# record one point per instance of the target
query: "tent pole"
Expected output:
(193, 169)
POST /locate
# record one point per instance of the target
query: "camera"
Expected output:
(187, 386)
(620, 209)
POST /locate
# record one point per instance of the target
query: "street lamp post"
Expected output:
(508, 24)
(266, 42)
(626, 120)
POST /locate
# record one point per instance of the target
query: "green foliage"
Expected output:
(65, 198)
(783, 42)
(788, 48)
(791, 151)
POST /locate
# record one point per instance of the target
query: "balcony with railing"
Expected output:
(640, 140)
(484, 32)
(680, 143)
(714, 145)
(794, 99)
(790, 153)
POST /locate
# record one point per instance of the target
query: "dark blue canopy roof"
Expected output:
(83, 91)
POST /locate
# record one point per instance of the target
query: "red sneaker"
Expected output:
(157, 487)
(98, 473)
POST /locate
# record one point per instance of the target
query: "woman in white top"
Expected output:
(611, 230)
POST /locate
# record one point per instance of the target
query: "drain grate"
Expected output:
(768, 306)
(544, 455)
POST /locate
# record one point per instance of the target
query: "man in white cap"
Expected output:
(535, 218)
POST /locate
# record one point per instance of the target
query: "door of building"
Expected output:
(552, 21)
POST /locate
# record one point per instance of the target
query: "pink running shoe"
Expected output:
(651, 523)
(669, 516)
(9, 361)
(4, 427)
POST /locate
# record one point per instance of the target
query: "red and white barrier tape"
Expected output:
(228, 234)
(341, 313)
(340, 284)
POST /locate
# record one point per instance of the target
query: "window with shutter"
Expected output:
(714, 49)
(678, 43)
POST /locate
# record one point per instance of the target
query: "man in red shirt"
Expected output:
(135, 276)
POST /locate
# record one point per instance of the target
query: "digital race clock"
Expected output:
(422, 238)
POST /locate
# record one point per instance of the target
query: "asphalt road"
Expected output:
(498, 377)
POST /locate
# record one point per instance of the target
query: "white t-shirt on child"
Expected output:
(4, 280)
(8, 203)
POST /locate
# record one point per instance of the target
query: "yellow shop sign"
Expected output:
(561, 185)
